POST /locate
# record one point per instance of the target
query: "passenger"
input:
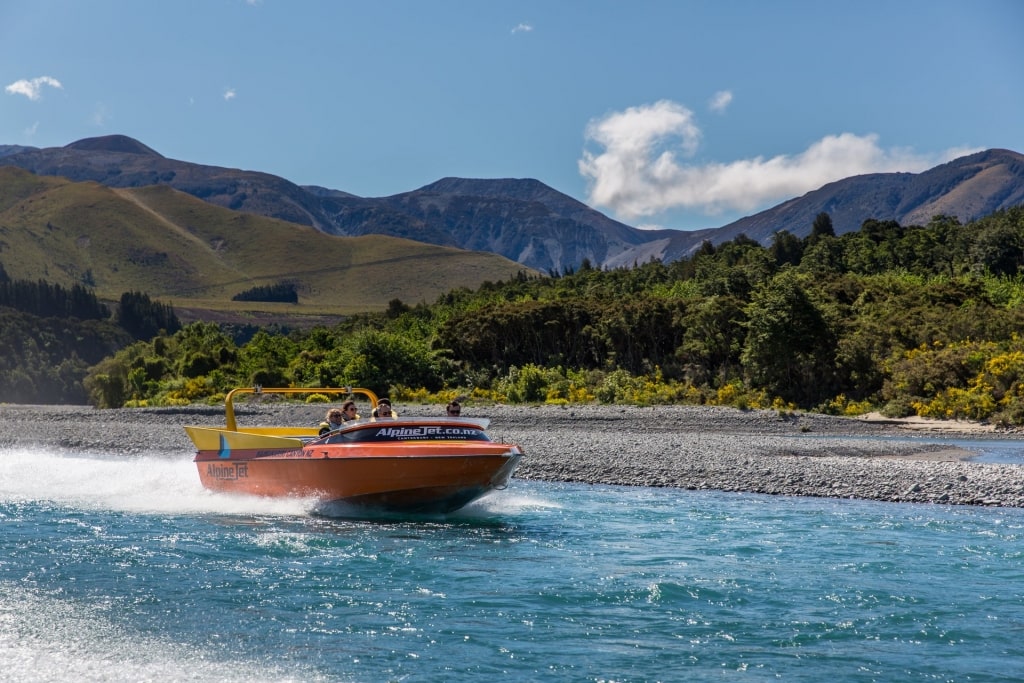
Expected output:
(335, 418)
(384, 409)
(348, 411)
(453, 409)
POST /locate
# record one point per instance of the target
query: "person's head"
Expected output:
(348, 410)
(454, 409)
(384, 408)
(334, 415)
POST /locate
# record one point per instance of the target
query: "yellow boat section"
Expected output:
(233, 437)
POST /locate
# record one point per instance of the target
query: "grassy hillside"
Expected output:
(196, 256)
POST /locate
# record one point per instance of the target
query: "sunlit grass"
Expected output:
(189, 253)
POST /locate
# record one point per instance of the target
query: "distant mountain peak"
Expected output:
(520, 188)
(114, 143)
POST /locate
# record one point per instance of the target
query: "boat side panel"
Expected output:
(348, 479)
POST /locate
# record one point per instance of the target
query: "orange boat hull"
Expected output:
(433, 478)
(433, 465)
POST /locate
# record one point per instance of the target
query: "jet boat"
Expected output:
(418, 465)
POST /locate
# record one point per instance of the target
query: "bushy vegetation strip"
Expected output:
(909, 320)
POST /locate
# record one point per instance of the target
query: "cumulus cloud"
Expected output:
(522, 28)
(641, 169)
(229, 94)
(33, 88)
(720, 101)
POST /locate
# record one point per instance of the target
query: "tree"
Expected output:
(999, 247)
(145, 319)
(821, 228)
(789, 348)
(380, 360)
(786, 248)
(265, 359)
(712, 340)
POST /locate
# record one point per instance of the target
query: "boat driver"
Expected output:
(384, 409)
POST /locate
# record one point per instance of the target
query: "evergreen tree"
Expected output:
(144, 318)
(821, 228)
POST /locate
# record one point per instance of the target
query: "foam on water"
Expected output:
(43, 638)
(508, 502)
(141, 484)
(161, 484)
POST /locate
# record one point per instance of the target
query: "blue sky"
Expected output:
(668, 114)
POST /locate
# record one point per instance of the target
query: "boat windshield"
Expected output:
(407, 432)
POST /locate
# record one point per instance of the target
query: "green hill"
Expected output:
(197, 256)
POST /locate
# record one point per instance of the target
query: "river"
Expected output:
(125, 569)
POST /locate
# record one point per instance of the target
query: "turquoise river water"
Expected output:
(125, 569)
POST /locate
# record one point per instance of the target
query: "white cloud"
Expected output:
(522, 28)
(31, 130)
(639, 172)
(100, 115)
(720, 101)
(229, 94)
(32, 88)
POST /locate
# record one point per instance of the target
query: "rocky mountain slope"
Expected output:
(525, 220)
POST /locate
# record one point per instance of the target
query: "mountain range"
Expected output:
(525, 220)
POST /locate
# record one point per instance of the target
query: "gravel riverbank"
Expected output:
(692, 447)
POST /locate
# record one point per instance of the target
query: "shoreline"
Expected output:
(689, 447)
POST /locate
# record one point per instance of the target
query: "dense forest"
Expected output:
(50, 336)
(906, 319)
(282, 291)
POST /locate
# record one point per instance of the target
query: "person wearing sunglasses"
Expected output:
(333, 421)
(453, 409)
(348, 411)
(384, 409)
(336, 417)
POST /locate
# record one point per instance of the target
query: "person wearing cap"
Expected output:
(384, 409)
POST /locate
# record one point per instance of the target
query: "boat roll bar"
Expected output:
(229, 406)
